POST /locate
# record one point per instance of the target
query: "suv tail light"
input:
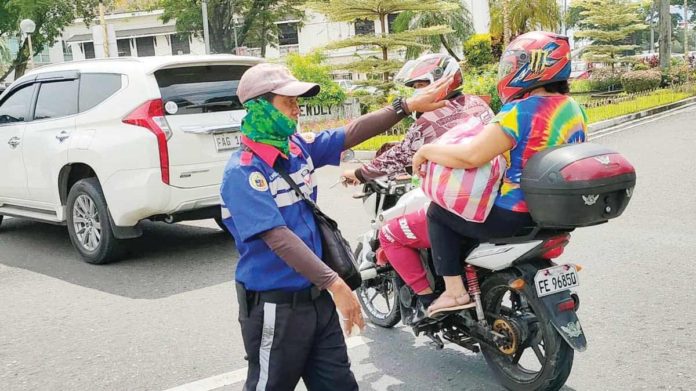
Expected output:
(553, 248)
(150, 115)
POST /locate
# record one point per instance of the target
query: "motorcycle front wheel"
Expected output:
(542, 360)
(379, 297)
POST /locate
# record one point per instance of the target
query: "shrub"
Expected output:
(483, 84)
(603, 79)
(676, 74)
(636, 81)
(577, 86)
(478, 50)
(640, 66)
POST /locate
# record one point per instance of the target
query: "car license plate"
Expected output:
(556, 279)
(227, 141)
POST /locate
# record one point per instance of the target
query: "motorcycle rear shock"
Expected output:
(475, 292)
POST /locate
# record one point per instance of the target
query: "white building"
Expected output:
(144, 34)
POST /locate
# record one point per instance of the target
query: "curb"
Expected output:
(596, 127)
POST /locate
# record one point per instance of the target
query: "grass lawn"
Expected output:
(595, 114)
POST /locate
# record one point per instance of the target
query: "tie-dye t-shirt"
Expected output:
(534, 124)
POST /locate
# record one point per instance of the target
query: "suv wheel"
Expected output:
(88, 223)
(221, 224)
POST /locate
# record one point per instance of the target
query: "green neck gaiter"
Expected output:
(265, 124)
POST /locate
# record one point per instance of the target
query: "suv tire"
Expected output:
(221, 224)
(1, 217)
(89, 224)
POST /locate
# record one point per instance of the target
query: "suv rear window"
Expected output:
(96, 87)
(201, 89)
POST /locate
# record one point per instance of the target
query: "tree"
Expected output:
(310, 68)
(4, 56)
(344, 11)
(50, 16)
(608, 24)
(665, 34)
(523, 16)
(257, 27)
(458, 19)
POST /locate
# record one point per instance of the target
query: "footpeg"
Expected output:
(435, 339)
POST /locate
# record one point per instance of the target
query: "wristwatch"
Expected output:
(400, 107)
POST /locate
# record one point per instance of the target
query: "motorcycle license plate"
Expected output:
(556, 279)
(227, 141)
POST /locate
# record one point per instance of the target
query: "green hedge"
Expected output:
(603, 79)
(637, 81)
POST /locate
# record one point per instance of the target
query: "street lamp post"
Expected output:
(234, 27)
(27, 26)
(206, 34)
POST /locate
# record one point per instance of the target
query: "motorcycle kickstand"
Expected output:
(435, 339)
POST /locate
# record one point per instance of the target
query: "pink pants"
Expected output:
(400, 239)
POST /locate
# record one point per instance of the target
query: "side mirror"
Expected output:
(347, 155)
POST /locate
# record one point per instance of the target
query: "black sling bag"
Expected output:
(337, 252)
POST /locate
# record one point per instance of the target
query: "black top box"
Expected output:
(577, 185)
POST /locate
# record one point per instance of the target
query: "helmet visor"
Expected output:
(504, 68)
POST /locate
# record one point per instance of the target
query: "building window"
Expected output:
(124, 47)
(288, 34)
(390, 22)
(145, 46)
(364, 27)
(180, 44)
(88, 49)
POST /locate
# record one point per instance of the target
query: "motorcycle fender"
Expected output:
(566, 322)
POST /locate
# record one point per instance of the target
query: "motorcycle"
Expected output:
(525, 319)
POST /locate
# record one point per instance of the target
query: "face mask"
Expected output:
(265, 124)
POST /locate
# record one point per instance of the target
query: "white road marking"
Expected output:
(213, 382)
(238, 376)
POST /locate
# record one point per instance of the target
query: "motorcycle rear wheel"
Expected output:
(553, 355)
(379, 297)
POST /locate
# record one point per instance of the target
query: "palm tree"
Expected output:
(665, 33)
(523, 16)
(5, 57)
(458, 20)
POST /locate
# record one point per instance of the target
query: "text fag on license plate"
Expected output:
(227, 141)
(556, 279)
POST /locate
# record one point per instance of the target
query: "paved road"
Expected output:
(166, 316)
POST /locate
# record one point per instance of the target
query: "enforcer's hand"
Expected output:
(348, 306)
(430, 98)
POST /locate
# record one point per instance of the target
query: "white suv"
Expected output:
(101, 145)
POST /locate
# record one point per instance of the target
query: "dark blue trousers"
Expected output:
(287, 342)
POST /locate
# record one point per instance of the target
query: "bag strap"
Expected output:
(284, 174)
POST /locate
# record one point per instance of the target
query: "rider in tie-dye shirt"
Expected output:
(538, 114)
(535, 124)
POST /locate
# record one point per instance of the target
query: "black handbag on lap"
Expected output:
(337, 252)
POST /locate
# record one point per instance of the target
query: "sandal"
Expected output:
(449, 304)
